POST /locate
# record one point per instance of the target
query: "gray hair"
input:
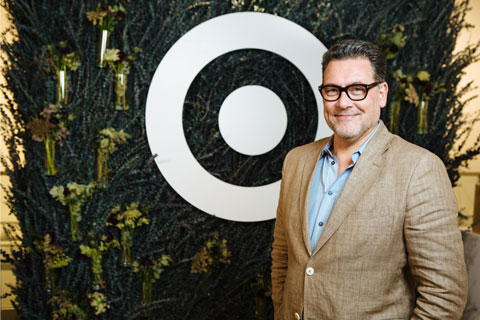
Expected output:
(351, 49)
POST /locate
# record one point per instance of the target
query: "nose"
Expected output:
(344, 101)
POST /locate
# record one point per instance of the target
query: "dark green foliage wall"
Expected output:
(176, 228)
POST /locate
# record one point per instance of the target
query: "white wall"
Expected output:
(465, 189)
(6, 275)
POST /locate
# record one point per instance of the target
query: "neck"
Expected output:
(343, 155)
(346, 147)
(343, 148)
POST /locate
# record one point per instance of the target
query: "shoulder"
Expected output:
(405, 149)
(396, 147)
(409, 158)
(400, 155)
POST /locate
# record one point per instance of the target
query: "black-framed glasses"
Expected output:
(355, 92)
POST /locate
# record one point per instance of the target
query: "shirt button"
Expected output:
(320, 224)
(309, 271)
(297, 316)
(330, 193)
(332, 163)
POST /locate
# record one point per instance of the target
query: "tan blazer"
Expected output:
(391, 248)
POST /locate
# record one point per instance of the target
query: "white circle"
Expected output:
(168, 89)
(252, 120)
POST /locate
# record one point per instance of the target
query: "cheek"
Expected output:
(328, 109)
(373, 113)
(370, 106)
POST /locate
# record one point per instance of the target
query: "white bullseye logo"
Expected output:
(252, 119)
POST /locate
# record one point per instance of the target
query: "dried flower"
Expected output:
(423, 76)
(61, 56)
(53, 123)
(113, 219)
(66, 192)
(111, 55)
(99, 302)
(119, 61)
(238, 4)
(109, 139)
(61, 133)
(66, 309)
(120, 15)
(262, 286)
(415, 88)
(107, 144)
(131, 218)
(122, 56)
(151, 270)
(50, 110)
(258, 9)
(95, 252)
(53, 255)
(212, 254)
(72, 60)
(393, 48)
(40, 128)
(74, 195)
(411, 94)
(427, 88)
(390, 43)
(96, 17)
(127, 221)
(105, 18)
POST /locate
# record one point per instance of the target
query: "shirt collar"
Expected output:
(355, 155)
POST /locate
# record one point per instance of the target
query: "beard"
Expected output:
(355, 128)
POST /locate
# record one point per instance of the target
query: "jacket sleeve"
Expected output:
(434, 244)
(279, 251)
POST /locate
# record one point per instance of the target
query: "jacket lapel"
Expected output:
(304, 196)
(364, 173)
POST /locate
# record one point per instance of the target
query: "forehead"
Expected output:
(347, 71)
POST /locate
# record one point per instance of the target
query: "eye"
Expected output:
(356, 90)
(330, 91)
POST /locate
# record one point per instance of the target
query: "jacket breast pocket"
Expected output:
(366, 234)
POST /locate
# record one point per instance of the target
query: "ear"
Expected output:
(383, 93)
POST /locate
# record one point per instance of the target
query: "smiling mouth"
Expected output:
(346, 116)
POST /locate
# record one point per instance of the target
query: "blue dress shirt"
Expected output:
(326, 188)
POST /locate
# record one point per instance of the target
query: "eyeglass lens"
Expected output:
(354, 92)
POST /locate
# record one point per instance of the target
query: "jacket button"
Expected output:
(310, 271)
(297, 316)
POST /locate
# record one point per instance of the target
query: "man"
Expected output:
(366, 222)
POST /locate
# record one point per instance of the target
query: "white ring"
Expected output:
(167, 92)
